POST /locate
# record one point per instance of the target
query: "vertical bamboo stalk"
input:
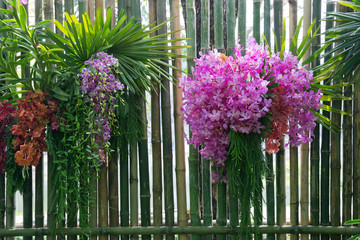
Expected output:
(356, 164)
(230, 21)
(304, 177)
(49, 15)
(256, 20)
(294, 161)
(315, 154)
(2, 202)
(82, 8)
(336, 162)
(27, 203)
(72, 218)
(93, 218)
(242, 22)
(124, 185)
(10, 212)
(278, 22)
(144, 173)
(114, 187)
(193, 155)
(219, 44)
(156, 141)
(267, 20)
(99, 4)
(69, 6)
(166, 131)
(280, 188)
(91, 9)
(39, 170)
(205, 163)
(325, 151)
(134, 181)
(179, 125)
(103, 199)
(111, 4)
(270, 198)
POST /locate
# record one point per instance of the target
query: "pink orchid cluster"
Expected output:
(236, 93)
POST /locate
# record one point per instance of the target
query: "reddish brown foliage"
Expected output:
(34, 113)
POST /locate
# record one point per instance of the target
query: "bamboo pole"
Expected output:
(231, 22)
(193, 153)
(305, 148)
(270, 198)
(242, 22)
(72, 211)
(82, 8)
(27, 203)
(166, 132)
(38, 8)
(103, 199)
(10, 212)
(111, 4)
(99, 4)
(93, 218)
(124, 185)
(267, 20)
(69, 6)
(144, 173)
(280, 187)
(205, 163)
(156, 140)
(39, 187)
(179, 125)
(219, 44)
(325, 150)
(91, 9)
(2, 202)
(263, 229)
(315, 145)
(258, 192)
(256, 20)
(356, 164)
(294, 161)
(134, 192)
(335, 162)
(114, 187)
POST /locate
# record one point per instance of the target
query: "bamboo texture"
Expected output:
(256, 20)
(103, 200)
(280, 187)
(69, 6)
(179, 124)
(242, 22)
(93, 219)
(270, 198)
(91, 9)
(166, 131)
(134, 182)
(156, 141)
(219, 44)
(356, 164)
(325, 151)
(124, 185)
(10, 212)
(144, 172)
(335, 164)
(267, 21)
(99, 4)
(27, 203)
(82, 8)
(205, 163)
(264, 229)
(305, 148)
(113, 187)
(294, 159)
(2, 202)
(315, 144)
(193, 153)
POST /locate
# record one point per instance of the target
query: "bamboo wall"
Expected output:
(160, 182)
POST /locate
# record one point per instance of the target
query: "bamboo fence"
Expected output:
(177, 206)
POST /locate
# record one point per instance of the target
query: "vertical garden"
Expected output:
(191, 119)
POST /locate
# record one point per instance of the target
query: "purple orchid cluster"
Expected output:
(99, 87)
(236, 93)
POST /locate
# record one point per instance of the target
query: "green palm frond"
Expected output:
(345, 62)
(140, 55)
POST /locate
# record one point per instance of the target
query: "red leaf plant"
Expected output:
(34, 112)
(6, 119)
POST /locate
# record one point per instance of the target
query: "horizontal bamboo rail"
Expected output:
(263, 229)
